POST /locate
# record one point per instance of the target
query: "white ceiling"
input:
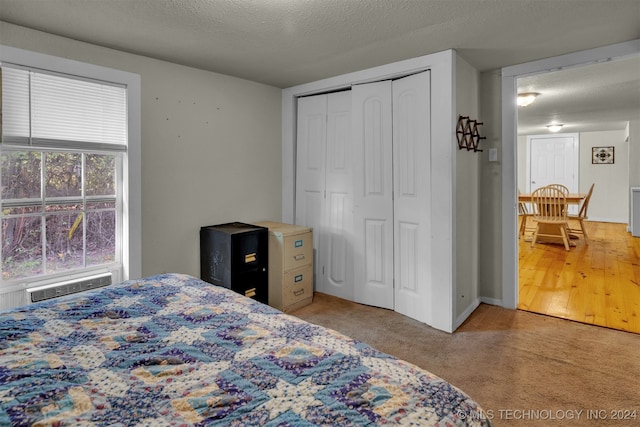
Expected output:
(289, 42)
(597, 97)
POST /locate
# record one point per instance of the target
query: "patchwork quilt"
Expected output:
(172, 350)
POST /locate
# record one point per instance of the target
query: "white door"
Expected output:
(553, 159)
(335, 257)
(412, 195)
(324, 188)
(372, 196)
(310, 166)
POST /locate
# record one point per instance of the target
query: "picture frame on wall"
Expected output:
(602, 155)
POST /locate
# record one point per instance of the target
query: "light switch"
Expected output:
(493, 154)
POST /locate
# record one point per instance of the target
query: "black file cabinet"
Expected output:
(236, 256)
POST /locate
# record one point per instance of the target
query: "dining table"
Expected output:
(570, 199)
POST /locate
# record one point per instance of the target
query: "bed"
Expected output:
(172, 350)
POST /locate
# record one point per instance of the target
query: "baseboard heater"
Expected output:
(68, 287)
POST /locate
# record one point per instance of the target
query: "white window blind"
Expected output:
(15, 103)
(52, 110)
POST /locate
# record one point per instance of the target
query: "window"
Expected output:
(69, 170)
(61, 220)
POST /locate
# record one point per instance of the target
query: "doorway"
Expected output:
(510, 167)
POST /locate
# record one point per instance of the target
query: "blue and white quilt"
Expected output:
(172, 350)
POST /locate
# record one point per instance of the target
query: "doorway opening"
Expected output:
(554, 281)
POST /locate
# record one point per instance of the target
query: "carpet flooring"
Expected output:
(524, 369)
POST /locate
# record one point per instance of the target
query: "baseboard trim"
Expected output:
(465, 314)
(614, 220)
(492, 301)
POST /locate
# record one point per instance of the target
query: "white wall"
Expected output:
(610, 199)
(467, 190)
(211, 148)
(490, 269)
(634, 153)
(522, 163)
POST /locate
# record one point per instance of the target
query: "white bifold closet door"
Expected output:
(392, 193)
(373, 193)
(412, 196)
(363, 184)
(324, 188)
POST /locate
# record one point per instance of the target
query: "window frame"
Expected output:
(131, 236)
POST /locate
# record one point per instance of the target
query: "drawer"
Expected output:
(252, 284)
(249, 251)
(298, 250)
(298, 285)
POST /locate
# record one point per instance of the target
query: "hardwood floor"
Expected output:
(598, 283)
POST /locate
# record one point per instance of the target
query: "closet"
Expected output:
(363, 182)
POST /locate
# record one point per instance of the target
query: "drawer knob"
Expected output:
(298, 292)
(298, 257)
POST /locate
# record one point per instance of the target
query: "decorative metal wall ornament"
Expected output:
(602, 155)
(468, 133)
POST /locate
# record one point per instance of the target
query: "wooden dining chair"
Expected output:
(582, 215)
(550, 214)
(561, 187)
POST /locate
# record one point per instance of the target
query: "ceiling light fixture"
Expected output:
(526, 98)
(555, 127)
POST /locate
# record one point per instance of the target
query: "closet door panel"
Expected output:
(407, 254)
(336, 253)
(412, 189)
(310, 166)
(373, 198)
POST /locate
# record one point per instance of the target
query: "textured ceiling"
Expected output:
(602, 96)
(289, 42)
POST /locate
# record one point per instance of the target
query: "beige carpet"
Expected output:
(524, 369)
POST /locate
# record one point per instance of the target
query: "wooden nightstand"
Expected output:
(290, 265)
